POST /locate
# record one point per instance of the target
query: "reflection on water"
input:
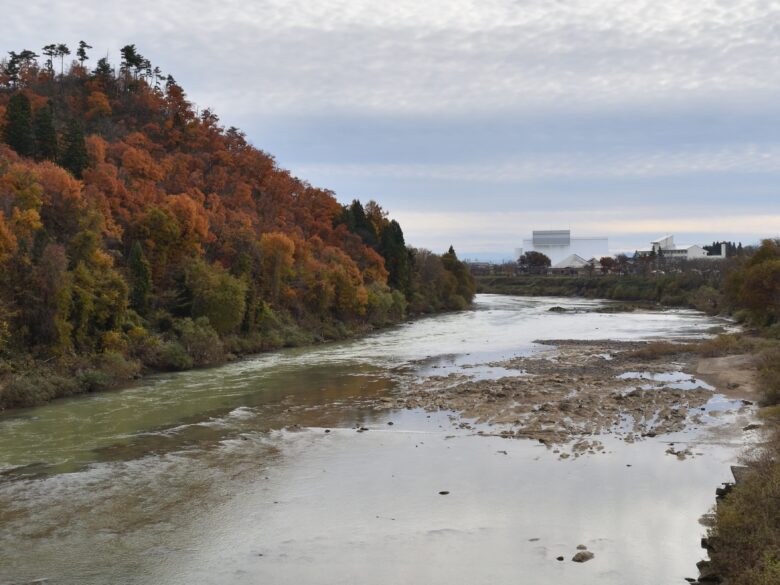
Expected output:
(228, 475)
(175, 411)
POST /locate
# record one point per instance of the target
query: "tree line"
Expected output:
(745, 285)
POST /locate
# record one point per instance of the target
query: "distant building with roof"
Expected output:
(573, 264)
(666, 247)
(559, 245)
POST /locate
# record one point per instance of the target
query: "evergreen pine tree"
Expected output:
(141, 278)
(103, 69)
(50, 51)
(12, 68)
(18, 130)
(393, 248)
(81, 52)
(62, 52)
(45, 134)
(74, 156)
(360, 225)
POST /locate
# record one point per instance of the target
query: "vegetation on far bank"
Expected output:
(137, 233)
(745, 286)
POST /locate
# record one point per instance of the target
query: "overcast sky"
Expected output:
(475, 121)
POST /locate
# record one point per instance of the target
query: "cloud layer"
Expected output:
(502, 101)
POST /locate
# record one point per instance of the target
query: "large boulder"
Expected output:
(583, 556)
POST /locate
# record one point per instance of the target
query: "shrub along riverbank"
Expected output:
(28, 381)
(744, 539)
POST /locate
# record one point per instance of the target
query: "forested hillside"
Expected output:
(137, 232)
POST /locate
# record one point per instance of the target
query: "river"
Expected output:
(227, 475)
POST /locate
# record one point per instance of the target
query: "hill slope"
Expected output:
(136, 232)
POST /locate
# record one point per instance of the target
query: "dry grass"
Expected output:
(659, 349)
(747, 526)
(769, 375)
(726, 344)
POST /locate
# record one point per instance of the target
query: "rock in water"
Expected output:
(583, 556)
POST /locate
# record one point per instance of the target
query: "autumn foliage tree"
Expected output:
(754, 285)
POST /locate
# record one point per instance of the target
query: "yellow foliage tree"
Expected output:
(277, 257)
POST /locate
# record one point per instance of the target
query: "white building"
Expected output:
(666, 247)
(558, 245)
(574, 264)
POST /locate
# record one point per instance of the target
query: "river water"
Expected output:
(228, 476)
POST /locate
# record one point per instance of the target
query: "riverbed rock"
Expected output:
(707, 574)
(568, 394)
(724, 490)
(583, 556)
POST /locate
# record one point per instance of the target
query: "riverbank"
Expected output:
(26, 381)
(744, 540)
